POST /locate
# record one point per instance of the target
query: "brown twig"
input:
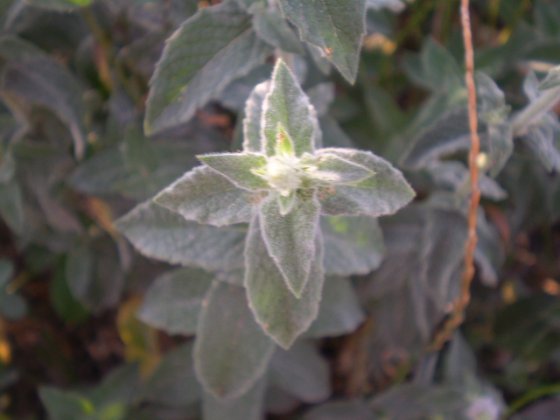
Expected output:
(458, 314)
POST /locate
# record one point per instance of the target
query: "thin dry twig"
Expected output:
(458, 314)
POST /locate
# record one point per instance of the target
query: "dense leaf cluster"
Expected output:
(267, 199)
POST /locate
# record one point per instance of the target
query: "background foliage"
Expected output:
(94, 328)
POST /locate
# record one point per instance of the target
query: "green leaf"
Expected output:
(174, 381)
(301, 372)
(382, 194)
(286, 105)
(290, 239)
(63, 405)
(60, 5)
(333, 169)
(208, 51)
(174, 301)
(53, 87)
(337, 27)
(205, 196)
(94, 275)
(353, 245)
(340, 311)
(274, 30)
(231, 351)
(281, 315)
(252, 131)
(11, 206)
(6, 272)
(246, 407)
(552, 79)
(446, 135)
(164, 235)
(238, 168)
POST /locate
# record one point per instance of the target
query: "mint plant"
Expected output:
(280, 184)
(203, 215)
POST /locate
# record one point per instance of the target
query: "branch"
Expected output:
(459, 305)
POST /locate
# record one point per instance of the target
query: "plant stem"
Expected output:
(458, 313)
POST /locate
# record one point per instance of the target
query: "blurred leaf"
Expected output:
(140, 340)
(231, 351)
(64, 303)
(63, 405)
(191, 73)
(173, 382)
(353, 245)
(340, 311)
(341, 410)
(54, 87)
(11, 207)
(174, 301)
(94, 275)
(301, 372)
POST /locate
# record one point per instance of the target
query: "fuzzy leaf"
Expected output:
(353, 245)
(237, 168)
(301, 372)
(210, 50)
(246, 407)
(252, 131)
(174, 301)
(281, 315)
(231, 351)
(290, 239)
(337, 27)
(205, 196)
(286, 105)
(53, 87)
(340, 311)
(382, 194)
(164, 235)
(336, 170)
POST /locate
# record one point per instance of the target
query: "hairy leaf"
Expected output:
(252, 130)
(335, 26)
(286, 105)
(290, 239)
(280, 314)
(174, 301)
(333, 169)
(237, 168)
(211, 49)
(205, 196)
(246, 407)
(382, 194)
(164, 235)
(231, 351)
